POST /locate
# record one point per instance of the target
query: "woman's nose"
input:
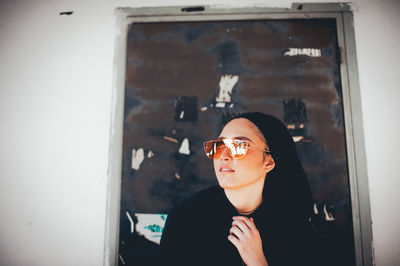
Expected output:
(225, 154)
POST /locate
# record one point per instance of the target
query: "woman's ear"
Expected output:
(270, 163)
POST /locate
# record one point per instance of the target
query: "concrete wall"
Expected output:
(56, 77)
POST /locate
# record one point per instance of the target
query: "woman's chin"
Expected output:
(231, 183)
(223, 183)
(226, 184)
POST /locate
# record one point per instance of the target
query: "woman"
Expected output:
(258, 215)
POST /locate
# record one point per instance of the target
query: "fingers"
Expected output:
(242, 226)
(248, 222)
(247, 240)
(234, 241)
(236, 232)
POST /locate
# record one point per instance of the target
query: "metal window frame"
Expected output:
(354, 129)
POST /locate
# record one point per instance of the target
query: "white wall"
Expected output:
(377, 28)
(55, 103)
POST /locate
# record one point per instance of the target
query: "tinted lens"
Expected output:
(237, 148)
(213, 148)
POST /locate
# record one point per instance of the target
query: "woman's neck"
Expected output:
(246, 199)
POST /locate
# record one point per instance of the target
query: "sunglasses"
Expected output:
(238, 148)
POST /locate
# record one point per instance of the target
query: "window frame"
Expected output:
(354, 129)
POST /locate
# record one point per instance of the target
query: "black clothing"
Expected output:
(196, 233)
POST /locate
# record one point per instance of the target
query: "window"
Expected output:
(181, 72)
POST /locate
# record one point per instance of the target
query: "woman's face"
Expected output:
(232, 173)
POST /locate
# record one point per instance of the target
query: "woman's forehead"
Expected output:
(241, 127)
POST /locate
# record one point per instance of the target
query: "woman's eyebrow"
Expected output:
(243, 138)
(238, 137)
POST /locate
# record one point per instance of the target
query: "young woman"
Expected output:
(259, 213)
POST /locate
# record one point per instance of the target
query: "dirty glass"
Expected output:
(185, 79)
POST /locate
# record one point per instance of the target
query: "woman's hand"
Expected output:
(246, 238)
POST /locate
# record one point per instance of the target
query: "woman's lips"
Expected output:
(226, 169)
